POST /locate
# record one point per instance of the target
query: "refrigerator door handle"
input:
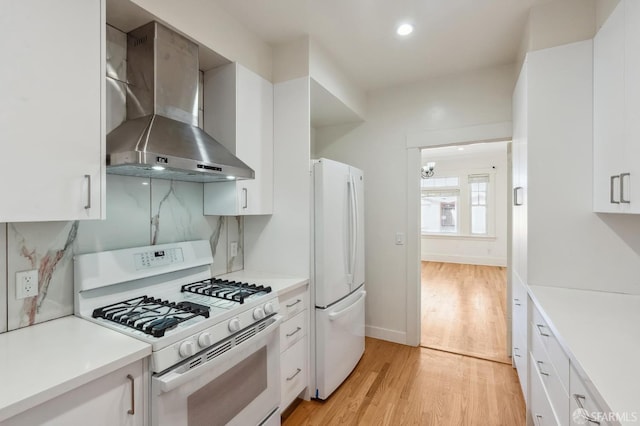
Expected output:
(335, 315)
(353, 229)
(356, 223)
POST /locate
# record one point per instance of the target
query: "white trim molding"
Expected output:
(471, 134)
(469, 260)
(386, 334)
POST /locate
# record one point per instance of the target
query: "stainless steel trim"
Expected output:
(132, 411)
(294, 374)
(294, 303)
(540, 327)
(294, 332)
(622, 176)
(611, 192)
(88, 205)
(540, 363)
(583, 411)
(246, 198)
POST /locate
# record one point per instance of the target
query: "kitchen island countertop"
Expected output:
(43, 361)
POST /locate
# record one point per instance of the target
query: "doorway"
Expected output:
(464, 215)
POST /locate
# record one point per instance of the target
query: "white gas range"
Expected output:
(204, 332)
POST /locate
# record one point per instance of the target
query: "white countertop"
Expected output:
(601, 334)
(278, 283)
(43, 361)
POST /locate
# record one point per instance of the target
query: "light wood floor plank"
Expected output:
(464, 309)
(401, 385)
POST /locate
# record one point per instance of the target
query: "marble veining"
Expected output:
(53, 262)
(140, 211)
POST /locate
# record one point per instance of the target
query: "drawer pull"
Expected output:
(132, 411)
(516, 350)
(542, 333)
(294, 374)
(540, 368)
(538, 420)
(518, 304)
(294, 332)
(294, 303)
(583, 411)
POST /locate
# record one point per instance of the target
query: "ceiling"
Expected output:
(463, 151)
(450, 36)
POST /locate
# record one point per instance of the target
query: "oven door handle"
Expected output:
(172, 379)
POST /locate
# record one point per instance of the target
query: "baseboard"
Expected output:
(386, 334)
(469, 260)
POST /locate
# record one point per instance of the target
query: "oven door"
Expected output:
(236, 382)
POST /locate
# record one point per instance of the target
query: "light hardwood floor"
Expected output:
(464, 309)
(401, 385)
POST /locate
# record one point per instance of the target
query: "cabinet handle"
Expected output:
(88, 205)
(294, 332)
(538, 420)
(583, 411)
(294, 303)
(245, 196)
(540, 327)
(515, 302)
(622, 176)
(294, 374)
(516, 198)
(540, 369)
(516, 350)
(132, 411)
(611, 191)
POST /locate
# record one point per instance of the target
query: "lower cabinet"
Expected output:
(294, 345)
(519, 349)
(115, 399)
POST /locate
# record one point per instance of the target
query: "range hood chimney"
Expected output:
(160, 137)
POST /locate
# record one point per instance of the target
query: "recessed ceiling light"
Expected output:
(460, 148)
(405, 29)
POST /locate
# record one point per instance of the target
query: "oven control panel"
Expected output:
(155, 258)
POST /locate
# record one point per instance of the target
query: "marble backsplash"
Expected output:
(139, 212)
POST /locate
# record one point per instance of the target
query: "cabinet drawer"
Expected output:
(541, 410)
(579, 392)
(544, 367)
(294, 302)
(293, 330)
(556, 355)
(293, 372)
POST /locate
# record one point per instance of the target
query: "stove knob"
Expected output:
(234, 325)
(258, 313)
(205, 339)
(268, 308)
(187, 349)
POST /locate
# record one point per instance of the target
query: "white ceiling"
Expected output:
(450, 35)
(463, 151)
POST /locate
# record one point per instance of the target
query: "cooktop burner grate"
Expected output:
(225, 289)
(150, 315)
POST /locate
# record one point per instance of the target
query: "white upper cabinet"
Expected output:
(238, 112)
(52, 140)
(616, 112)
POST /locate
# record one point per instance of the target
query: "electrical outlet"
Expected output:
(233, 248)
(26, 284)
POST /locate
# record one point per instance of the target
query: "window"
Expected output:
(440, 210)
(457, 205)
(478, 187)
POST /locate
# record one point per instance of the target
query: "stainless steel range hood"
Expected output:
(160, 137)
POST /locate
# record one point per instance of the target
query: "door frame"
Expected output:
(492, 132)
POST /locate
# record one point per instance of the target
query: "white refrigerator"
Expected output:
(338, 272)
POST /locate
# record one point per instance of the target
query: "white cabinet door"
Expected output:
(51, 110)
(238, 112)
(608, 112)
(115, 399)
(631, 153)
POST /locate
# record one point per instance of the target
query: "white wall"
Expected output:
(378, 147)
(291, 60)
(209, 24)
(471, 249)
(280, 243)
(568, 244)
